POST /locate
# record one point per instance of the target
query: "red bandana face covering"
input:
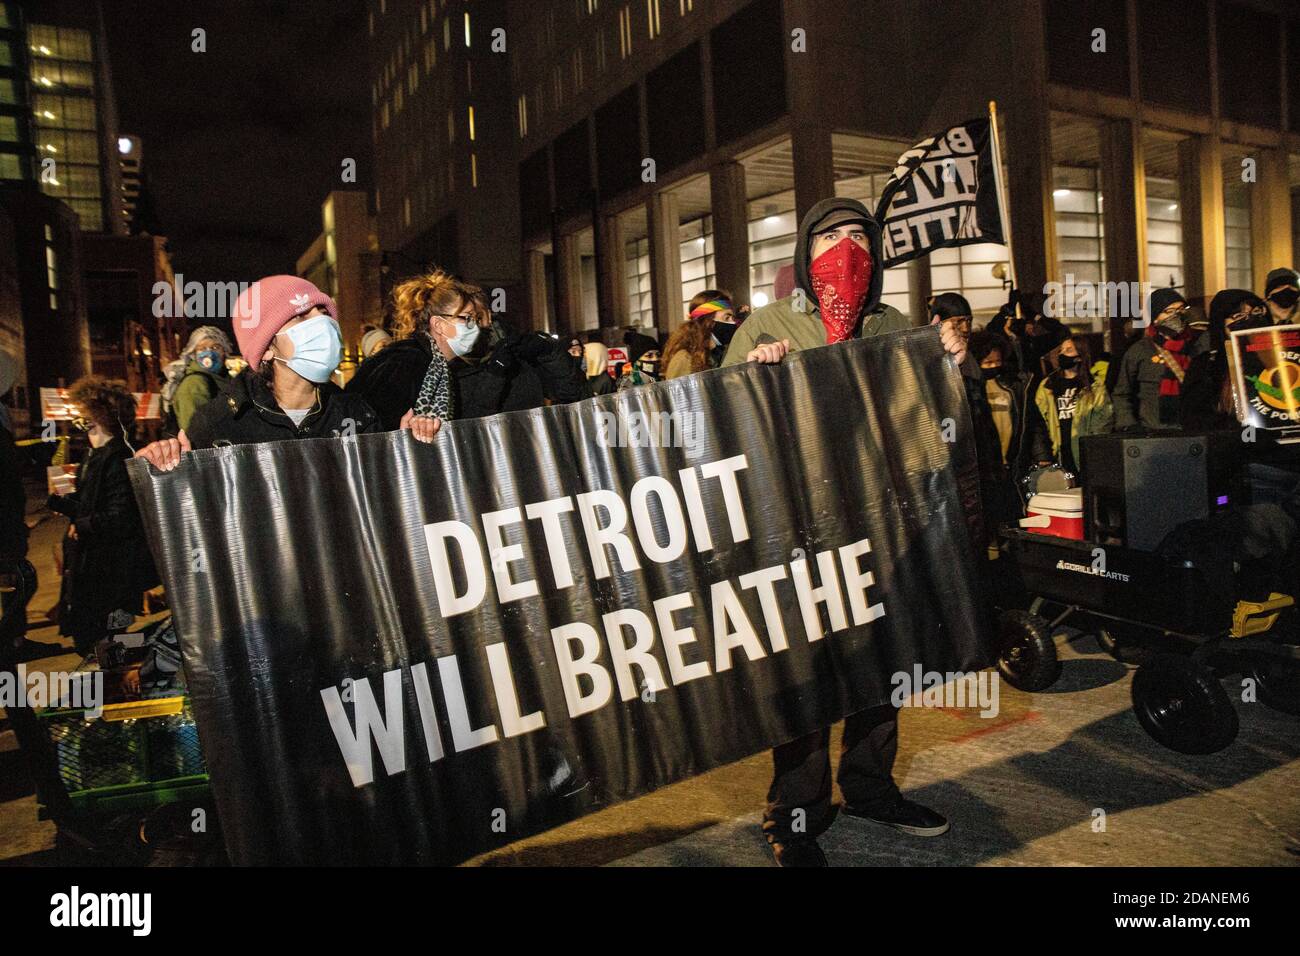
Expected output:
(841, 278)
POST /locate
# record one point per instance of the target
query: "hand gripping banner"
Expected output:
(405, 653)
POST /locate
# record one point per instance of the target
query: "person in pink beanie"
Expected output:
(288, 334)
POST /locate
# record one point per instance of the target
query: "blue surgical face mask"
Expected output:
(317, 348)
(211, 359)
(464, 340)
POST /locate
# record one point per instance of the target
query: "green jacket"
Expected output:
(196, 389)
(783, 320)
(1094, 414)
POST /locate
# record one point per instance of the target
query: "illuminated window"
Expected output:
(467, 28)
(473, 170)
(523, 116)
(652, 14)
(471, 124)
(686, 6)
(406, 211)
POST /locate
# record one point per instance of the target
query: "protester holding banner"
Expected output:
(853, 275)
(1207, 390)
(108, 565)
(289, 336)
(836, 298)
(452, 359)
(1282, 292)
(1148, 388)
(201, 373)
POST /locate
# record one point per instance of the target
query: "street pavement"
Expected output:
(1064, 778)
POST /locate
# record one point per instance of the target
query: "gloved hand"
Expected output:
(534, 345)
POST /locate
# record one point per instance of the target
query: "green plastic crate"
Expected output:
(116, 765)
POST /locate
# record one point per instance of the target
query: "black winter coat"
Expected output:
(520, 372)
(245, 412)
(108, 566)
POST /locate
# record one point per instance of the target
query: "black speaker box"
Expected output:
(1138, 488)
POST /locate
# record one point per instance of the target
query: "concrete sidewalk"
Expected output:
(1063, 778)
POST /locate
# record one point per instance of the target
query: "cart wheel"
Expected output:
(1277, 683)
(1026, 651)
(1182, 705)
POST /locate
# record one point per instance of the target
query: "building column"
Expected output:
(611, 266)
(1124, 212)
(664, 217)
(1027, 151)
(814, 167)
(535, 289)
(1200, 197)
(1270, 216)
(568, 284)
(730, 203)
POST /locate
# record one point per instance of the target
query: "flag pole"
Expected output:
(1002, 198)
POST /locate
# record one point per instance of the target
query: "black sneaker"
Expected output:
(799, 853)
(904, 815)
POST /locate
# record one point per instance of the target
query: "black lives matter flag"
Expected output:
(407, 653)
(943, 192)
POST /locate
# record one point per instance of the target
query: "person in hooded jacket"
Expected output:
(204, 359)
(599, 381)
(288, 334)
(1207, 392)
(1072, 402)
(448, 347)
(1282, 293)
(1148, 389)
(798, 319)
(109, 566)
(837, 262)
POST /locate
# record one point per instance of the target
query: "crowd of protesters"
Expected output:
(1035, 390)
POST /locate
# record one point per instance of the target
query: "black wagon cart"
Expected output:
(1186, 620)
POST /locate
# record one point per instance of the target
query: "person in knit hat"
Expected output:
(288, 334)
(1148, 388)
(1282, 293)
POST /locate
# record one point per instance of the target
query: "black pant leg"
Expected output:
(866, 774)
(801, 781)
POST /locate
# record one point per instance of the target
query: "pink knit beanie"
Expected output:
(267, 305)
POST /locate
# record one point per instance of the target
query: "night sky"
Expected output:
(243, 142)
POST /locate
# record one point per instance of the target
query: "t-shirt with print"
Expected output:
(1066, 392)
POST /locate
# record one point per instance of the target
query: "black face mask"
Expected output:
(1285, 298)
(991, 372)
(723, 331)
(649, 368)
(1067, 362)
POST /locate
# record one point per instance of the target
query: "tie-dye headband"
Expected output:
(708, 308)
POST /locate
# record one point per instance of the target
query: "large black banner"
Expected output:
(406, 653)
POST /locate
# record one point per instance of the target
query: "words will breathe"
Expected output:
(612, 654)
